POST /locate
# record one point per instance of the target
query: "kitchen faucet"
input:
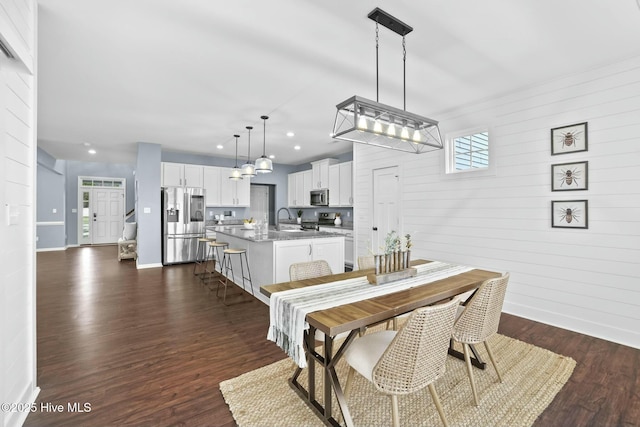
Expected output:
(278, 217)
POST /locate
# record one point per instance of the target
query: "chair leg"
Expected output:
(467, 359)
(436, 400)
(493, 361)
(394, 410)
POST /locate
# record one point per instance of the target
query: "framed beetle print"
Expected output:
(570, 176)
(569, 139)
(569, 214)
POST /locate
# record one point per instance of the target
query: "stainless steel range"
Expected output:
(326, 218)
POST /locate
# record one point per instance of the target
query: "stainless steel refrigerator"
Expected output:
(183, 221)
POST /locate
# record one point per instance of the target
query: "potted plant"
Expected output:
(299, 216)
(338, 220)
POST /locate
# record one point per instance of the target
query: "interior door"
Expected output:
(386, 210)
(108, 215)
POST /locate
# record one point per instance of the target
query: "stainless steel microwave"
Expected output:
(320, 197)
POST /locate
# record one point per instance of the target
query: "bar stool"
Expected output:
(228, 265)
(201, 256)
(214, 258)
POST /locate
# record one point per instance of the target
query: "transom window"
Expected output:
(469, 151)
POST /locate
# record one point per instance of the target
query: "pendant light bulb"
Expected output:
(391, 129)
(264, 164)
(417, 137)
(236, 172)
(362, 120)
(404, 133)
(248, 169)
(377, 126)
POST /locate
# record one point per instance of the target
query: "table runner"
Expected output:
(288, 309)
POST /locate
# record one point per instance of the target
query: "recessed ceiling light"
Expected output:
(290, 134)
(92, 151)
(86, 144)
(297, 147)
(271, 156)
(219, 146)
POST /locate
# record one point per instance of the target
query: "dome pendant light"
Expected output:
(236, 172)
(248, 169)
(264, 164)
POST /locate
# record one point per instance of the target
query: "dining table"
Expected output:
(347, 303)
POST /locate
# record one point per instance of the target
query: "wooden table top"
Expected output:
(352, 316)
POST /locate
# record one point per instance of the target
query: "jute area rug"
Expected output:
(532, 376)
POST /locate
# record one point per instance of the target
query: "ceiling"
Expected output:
(190, 74)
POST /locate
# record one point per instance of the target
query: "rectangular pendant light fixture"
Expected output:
(370, 122)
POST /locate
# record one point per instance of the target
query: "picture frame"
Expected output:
(570, 176)
(570, 214)
(569, 139)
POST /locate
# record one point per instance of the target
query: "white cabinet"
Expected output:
(172, 174)
(341, 184)
(287, 252)
(182, 175)
(211, 183)
(234, 193)
(299, 189)
(349, 254)
(320, 173)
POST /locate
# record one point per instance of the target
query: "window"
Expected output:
(468, 151)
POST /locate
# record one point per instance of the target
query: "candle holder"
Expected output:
(391, 267)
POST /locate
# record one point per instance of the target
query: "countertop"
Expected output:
(273, 235)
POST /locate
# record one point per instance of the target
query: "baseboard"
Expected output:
(582, 326)
(50, 249)
(143, 266)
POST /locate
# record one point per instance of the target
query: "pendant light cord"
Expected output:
(264, 135)
(249, 150)
(236, 136)
(404, 72)
(377, 83)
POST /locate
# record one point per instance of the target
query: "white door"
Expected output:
(108, 215)
(386, 202)
(101, 209)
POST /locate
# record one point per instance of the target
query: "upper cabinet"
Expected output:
(299, 189)
(182, 175)
(221, 191)
(341, 184)
(234, 193)
(211, 183)
(320, 172)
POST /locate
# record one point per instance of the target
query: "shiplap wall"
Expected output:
(583, 280)
(17, 191)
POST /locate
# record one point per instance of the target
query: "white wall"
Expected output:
(583, 280)
(17, 190)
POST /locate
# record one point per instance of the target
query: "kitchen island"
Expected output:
(270, 255)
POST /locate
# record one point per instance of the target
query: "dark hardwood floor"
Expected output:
(150, 347)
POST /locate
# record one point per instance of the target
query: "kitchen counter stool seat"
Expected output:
(227, 264)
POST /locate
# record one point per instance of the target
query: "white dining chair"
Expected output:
(478, 320)
(405, 361)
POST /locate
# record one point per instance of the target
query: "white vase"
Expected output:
(337, 221)
(299, 220)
